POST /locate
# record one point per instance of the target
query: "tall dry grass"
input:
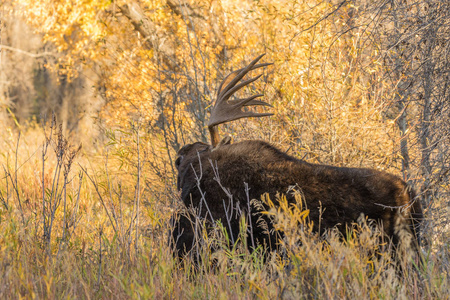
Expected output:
(81, 233)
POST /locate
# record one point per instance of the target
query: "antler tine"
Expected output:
(227, 93)
(249, 101)
(224, 110)
(237, 75)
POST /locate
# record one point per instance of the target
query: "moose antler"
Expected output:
(228, 110)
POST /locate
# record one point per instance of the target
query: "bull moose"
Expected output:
(220, 179)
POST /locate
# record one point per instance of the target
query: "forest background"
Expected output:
(354, 83)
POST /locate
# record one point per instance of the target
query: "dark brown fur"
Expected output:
(342, 193)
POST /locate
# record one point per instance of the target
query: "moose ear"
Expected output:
(225, 141)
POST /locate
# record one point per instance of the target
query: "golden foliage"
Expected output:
(323, 103)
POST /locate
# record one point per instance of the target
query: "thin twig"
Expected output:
(42, 54)
(100, 197)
